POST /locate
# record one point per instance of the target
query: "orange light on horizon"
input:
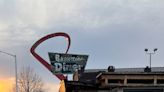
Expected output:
(6, 84)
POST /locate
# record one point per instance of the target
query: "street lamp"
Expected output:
(150, 53)
(16, 77)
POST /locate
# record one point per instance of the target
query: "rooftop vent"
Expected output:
(147, 69)
(111, 69)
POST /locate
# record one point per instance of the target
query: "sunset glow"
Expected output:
(52, 87)
(6, 84)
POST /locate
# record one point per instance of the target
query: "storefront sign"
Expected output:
(67, 63)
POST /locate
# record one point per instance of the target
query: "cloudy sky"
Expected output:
(111, 32)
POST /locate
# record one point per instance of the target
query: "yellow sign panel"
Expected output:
(62, 86)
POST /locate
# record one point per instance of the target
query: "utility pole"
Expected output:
(16, 76)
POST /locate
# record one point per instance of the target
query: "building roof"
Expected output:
(127, 70)
(89, 77)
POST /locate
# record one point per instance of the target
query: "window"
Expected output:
(160, 81)
(115, 81)
(140, 81)
(143, 90)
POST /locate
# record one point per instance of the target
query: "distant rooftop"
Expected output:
(135, 70)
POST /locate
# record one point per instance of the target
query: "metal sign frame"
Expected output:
(40, 59)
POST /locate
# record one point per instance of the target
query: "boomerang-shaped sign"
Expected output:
(40, 59)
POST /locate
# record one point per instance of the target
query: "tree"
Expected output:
(29, 81)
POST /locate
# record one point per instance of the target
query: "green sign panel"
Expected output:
(67, 63)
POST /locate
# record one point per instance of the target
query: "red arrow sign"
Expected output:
(40, 59)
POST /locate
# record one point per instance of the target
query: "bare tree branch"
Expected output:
(29, 81)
